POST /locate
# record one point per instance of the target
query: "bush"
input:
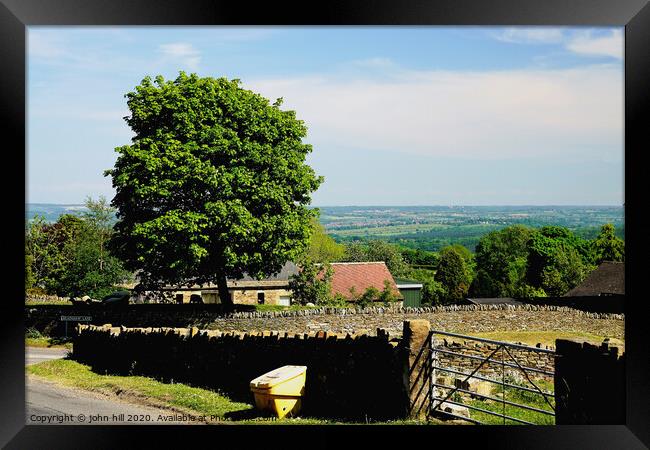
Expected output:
(33, 333)
(387, 296)
(312, 284)
(370, 295)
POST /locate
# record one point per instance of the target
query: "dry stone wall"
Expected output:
(494, 368)
(459, 319)
(355, 376)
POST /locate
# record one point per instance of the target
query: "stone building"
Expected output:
(273, 290)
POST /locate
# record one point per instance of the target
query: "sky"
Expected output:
(396, 115)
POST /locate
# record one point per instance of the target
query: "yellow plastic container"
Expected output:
(280, 391)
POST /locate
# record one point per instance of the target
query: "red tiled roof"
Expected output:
(361, 275)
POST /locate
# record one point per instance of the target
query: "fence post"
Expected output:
(416, 339)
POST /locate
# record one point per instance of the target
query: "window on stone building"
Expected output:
(260, 298)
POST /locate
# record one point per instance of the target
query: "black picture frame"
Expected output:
(634, 15)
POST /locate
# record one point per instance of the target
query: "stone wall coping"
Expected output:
(419, 310)
(382, 335)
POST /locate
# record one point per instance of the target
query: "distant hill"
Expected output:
(50, 211)
(429, 227)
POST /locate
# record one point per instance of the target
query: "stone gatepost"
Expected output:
(416, 340)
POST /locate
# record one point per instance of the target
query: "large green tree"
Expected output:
(607, 246)
(376, 250)
(453, 274)
(69, 258)
(213, 185)
(558, 260)
(322, 247)
(45, 252)
(501, 258)
(91, 269)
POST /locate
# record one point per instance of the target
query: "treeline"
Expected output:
(466, 235)
(69, 257)
(516, 261)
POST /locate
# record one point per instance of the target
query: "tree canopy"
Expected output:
(213, 185)
(453, 274)
(501, 258)
(69, 258)
(322, 248)
(376, 250)
(608, 247)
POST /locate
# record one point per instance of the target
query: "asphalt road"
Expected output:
(51, 404)
(35, 355)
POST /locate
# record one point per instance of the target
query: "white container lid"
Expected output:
(278, 376)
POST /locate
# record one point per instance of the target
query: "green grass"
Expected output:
(180, 397)
(142, 389)
(47, 302)
(516, 396)
(49, 342)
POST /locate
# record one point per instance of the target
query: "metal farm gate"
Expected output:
(490, 382)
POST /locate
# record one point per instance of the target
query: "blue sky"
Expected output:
(396, 115)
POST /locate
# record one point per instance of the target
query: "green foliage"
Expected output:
(501, 261)
(33, 333)
(523, 290)
(419, 257)
(312, 284)
(92, 270)
(557, 260)
(550, 261)
(387, 294)
(433, 293)
(69, 257)
(608, 247)
(369, 295)
(376, 250)
(45, 252)
(213, 185)
(29, 273)
(322, 248)
(453, 275)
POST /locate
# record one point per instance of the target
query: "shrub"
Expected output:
(33, 333)
(370, 295)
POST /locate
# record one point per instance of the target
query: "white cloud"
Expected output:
(571, 113)
(536, 35)
(181, 53)
(586, 43)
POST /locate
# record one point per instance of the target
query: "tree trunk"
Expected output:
(224, 295)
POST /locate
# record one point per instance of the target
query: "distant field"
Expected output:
(433, 227)
(430, 227)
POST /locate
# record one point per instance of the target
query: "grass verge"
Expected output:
(178, 397)
(49, 342)
(138, 389)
